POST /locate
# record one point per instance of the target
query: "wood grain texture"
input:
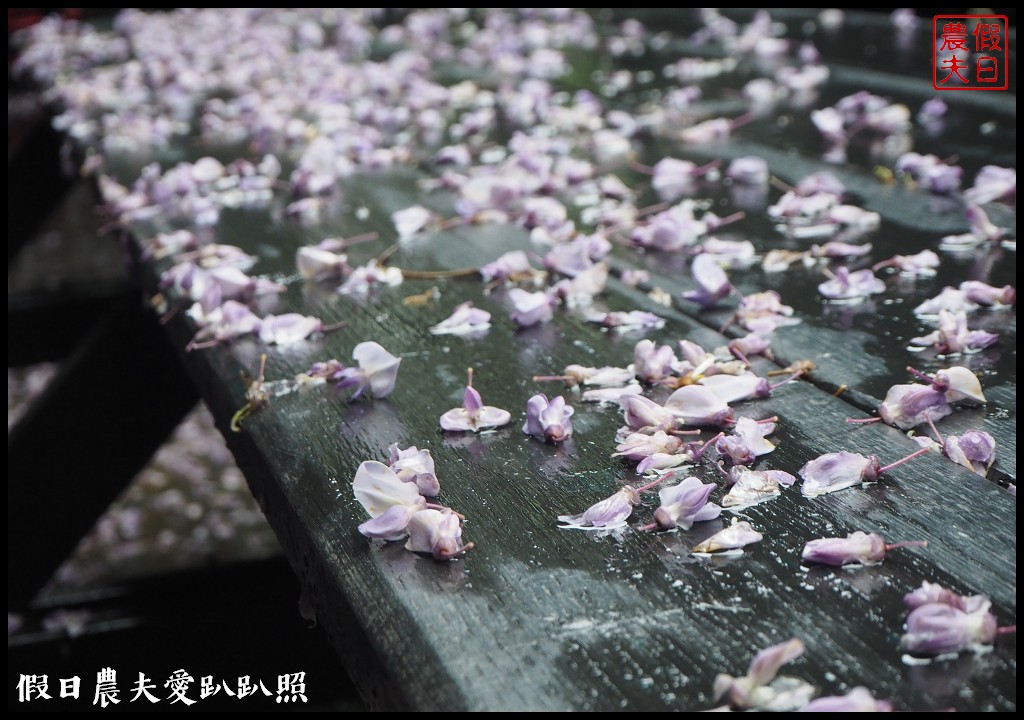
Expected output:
(537, 617)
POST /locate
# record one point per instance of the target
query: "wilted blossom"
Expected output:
(750, 487)
(841, 470)
(736, 536)
(929, 172)
(646, 416)
(981, 230)
(611, 394)
(859, 699)
(225, 322)
(437, 533)
(671, 230)
(975, 450)
(411, 220)
(464, 320)
(950, 299)
(992, 183)
(957, 382)
(627, 320)
(474, 416)
(529, 308)
(316, 264)
(389, 501)
(365, 277)
(988, 295)
(684, 504)
(938, 628)
(377, 371)
(697, 406)
(909, 405)
(321, 372)
(846, 286)
(713, 284)
(923, 264)
(580, 375)
(748, 170)
(747, 442)
(760, 689)
(930, 593)
(764, 311)
(609, 514)
(548, 420)
(733, 388)
(673, 179)
(413, 465)
(856, 548)
(953, 337)
(637, 446)
(510, 265)
(653, 363)
(290, 328)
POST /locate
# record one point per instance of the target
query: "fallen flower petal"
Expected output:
(413, 465)
(529, 308)
(841, 470)
(608, 514)
(378, 488)
(698, 406)
(759, 689)
(856, 548)
(684, 504)
(859, 699)
(378, 371)
(548, 420)
(736, 536)
(437, 532)
(464, 320)
(474, 416)
(750, 487)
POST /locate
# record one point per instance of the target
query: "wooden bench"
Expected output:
(538, 617)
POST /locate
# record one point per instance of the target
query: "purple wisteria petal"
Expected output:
(412, 220)
(529, 308)
(938, 629)
(959, 384)
(627, 320)
(909, 405)
(511, 264)
(288, 328)
(413, 465)
(653, 363)
(611, 395)
(673, 179)
(738, 535)
(436, 532)
(378, 488)
(316, 264)
(747, 443)
(365, 277)
(759, 689)
(750, 487)
(225, 322)
(836, 250)
(847, 286)
(988, 295)
(856, 548)
(713, 283)
(610, 513)
(684, 504)
(837, 471)
(764, 311)
(974, 450)
(392, 524)
(934, 593)
(646, 416)
(748, 170)
(474, 416)
(698, 406)
(953, 336)
(923, 264)
(951, 299)
(377, 372)
(464, 320)
(859, 699)
(637, 446)
(992, 183)
(733, 388)
(548, 420)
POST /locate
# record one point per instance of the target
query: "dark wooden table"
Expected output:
(536, 617)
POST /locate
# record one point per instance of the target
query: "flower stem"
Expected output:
(431, 274)
(911, 456)
(652, 483)
(907, 543)
(920, 375)
(791, 378)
